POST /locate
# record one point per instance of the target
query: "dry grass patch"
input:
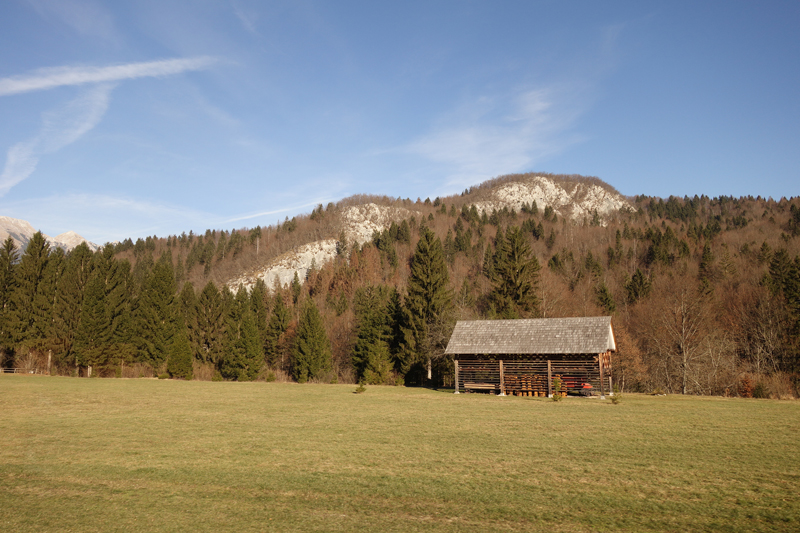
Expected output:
(108, 455)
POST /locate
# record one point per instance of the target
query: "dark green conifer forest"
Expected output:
(704, 294)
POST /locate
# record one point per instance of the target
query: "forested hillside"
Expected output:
(704, 294)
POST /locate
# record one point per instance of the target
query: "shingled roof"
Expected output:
(583, 335)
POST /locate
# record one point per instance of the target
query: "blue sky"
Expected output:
(127, 119)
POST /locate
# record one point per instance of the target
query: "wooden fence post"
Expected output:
(455, 364)
(549, 379)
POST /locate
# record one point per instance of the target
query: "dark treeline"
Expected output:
(704, 294)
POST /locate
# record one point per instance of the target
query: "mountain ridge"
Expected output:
(577, 199)
(21, 231)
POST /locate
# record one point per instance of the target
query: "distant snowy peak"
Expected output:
(22, 232)
(69, 240)
(576, 201)
(19, 230)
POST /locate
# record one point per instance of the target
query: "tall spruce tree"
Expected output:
(155, 313)
(371, 354)
(29, 291)
(242, 355)
(258, 304)
(71, 288)
(104, 331)
(515, 276)
(187, 303)
(8, 263)
(45, 301)
(312, 349)
(179, 362)
(428, 304)
(210, 320)
(278, 324)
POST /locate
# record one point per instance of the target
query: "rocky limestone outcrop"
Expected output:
(358, 223)
(575, 201)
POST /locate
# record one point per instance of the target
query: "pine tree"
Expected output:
(516, 275)
(210, 323)
(637, 287)
(8, 263)
(551, 239)
(604, 298)
(242, 355)
(488, 263)
(371, 353)
(29, 291)
(45, 301)
(179, 362)
(312, 350)
(187, 304)
(71, 288)
(155, 313)
(706, 273)
(278, 323)
(297, 288)
(404, 233)
(428, 304)
(103, 335)
(258, 304)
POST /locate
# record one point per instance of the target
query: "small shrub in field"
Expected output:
(746, 388)
(361, 388)
(556, 389)
(617, 396)
(760, 391)
(217, 376)
(163, 376)
(271, 377)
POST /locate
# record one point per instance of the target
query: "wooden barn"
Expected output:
(523, 357)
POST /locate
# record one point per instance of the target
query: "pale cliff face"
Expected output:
(358, 223)
(573, 201)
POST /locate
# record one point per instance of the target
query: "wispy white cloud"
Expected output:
(86, 17)
(49, 78)
(498, 135)
(59, 129)
(247, 17)
(292, 209)
(105, 218)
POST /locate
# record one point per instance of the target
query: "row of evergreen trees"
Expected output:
(89, 310)
(93, 311)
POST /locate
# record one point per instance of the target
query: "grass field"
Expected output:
(150, 455)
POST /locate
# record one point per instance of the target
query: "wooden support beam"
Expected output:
(455, 364)
(549, 379)
(502, 380)
(600, 358)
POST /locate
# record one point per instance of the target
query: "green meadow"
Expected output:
(150, 455)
